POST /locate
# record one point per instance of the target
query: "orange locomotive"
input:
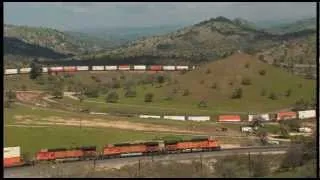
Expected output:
(124, 150)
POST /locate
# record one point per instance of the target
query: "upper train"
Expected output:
(57, 69)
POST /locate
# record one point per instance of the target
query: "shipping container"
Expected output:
(44, 69)
(25, 70)
(56, 69)
(83, 68)
(10, 152)
(155, 67)
(69, 68)
(124, 67)
(305, 130)
(98, 68)
(182, 67)
(307, 114)
(11, 71)
(264, 117)
(286, 115)
(149, 116)
(180, 118)
(111, 68)
(140, 67)
(199, 118)
(169, 68)
(246, 129)
(229, 118)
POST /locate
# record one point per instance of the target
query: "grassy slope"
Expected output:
(222, 72)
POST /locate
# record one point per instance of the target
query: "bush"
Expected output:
(160, 79)
(288, 93)
(112, 97)
(186, 92)
(183, 72)
(175, 90)
(273, 96)
(237, 94)
(116, 84)
(263, 92)
(262, 72)
(91, 92)
(208, 71)
(247, 65)
(246, 81)
(214, 86)
(300, 85)
(148, 97)
(23, 87)
(300, 104)
(130, 93)
(57, 93)
(202, 104)
(202, 82)
(231, 83)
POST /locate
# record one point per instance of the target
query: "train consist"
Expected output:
(307, 114)
(60, 69)
(115, 151)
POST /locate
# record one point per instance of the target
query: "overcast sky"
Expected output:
(73, 15)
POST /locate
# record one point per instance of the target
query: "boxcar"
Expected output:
(69, 68)
(155, 68)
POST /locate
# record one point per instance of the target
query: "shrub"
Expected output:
(202, 104)
(300, 85)
(186, 92)
(247, 65)
(202, 82)
(183, 72)
(91, 92)
(288, 93)
(130, 93)
(208, 71)
(237, 94)
(262, 72)
(214, 86)
(263, 92)
(116, 84)
(112, 97)
(23, 87)
(246, 81)
(148, 97)
(273, 96)
(231, 83)
(160, 79)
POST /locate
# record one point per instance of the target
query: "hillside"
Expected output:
(50, 38)
(210, 40)
(301, 25)
(215, 87)
(17, 52)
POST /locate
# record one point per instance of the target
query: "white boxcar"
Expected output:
(307, 114)
(44, 69)
(10, 152)
(124, 67)
(182, 67)
(111, 68)
(179, 118)
(82, 68)
(98, 68)
(199, 118)
(246, 129)
(266, 117)
(149, 116)
(305, 130)
(25, 70)
(11, 71)
(140, 67)
(169, 68)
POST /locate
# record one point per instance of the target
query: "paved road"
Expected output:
(44, 169)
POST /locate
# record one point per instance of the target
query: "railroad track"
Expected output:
(41, 170)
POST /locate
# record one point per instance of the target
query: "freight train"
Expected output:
(59, 69)
(117, 151)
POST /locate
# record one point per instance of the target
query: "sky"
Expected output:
(82, 15)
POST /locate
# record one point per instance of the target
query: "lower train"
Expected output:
(118, 151)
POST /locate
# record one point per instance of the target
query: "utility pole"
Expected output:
(249, 158)
(201, 166)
